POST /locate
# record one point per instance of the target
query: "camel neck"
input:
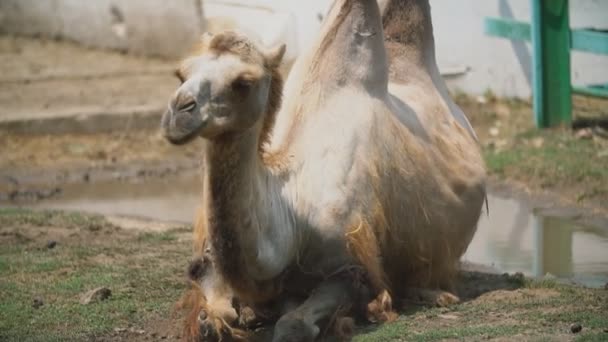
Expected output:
(249, 227)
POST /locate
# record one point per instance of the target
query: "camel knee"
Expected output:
(294, 328)
(302, 324)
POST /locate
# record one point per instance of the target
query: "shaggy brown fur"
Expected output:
(417, 189)
(212, 217)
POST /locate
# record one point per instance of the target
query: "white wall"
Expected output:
(152, 27)
(500, 64)
(471, 61)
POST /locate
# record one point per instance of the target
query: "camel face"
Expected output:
(225, 89)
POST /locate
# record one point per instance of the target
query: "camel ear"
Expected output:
(275, 55)
(178, 73)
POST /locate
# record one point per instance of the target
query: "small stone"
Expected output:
(86, 177)
(163, 337)
(38, 302)
(95, 295)
(120, 330)
(606, 330)
(448, 316)
(538, 142)
(600, 132)
(51, 244)
(585, 133)
(494, 131)
(576, 328)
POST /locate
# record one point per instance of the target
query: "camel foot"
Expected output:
(208, 328)
(432, 297)
(216, 329)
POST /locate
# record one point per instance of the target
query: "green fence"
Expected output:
(552, 39)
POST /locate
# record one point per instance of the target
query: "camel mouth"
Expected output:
(183, 139)
(179, 132)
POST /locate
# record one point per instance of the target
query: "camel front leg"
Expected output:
(212, 315)
(302, 323)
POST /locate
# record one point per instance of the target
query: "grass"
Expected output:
(550, 159)
(561, 159)
(144, 272)
(562, 162)
(18, 216)
(538, 311)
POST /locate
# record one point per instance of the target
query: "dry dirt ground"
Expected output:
(43, 78)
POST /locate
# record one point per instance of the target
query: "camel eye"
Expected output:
(241, 84)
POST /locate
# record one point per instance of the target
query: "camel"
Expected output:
(330, 199)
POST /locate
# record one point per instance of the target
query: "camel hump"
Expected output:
(351, 50)
(408, 36)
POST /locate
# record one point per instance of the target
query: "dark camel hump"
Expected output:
(350, 49)
(408, 35)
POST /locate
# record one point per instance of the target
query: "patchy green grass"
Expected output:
(574, 167)
(550, 155)
(149, 237)
(21, 217)
(540, 311)
(554, 159)
(144, 272)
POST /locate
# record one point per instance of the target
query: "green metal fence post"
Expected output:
(551, 44)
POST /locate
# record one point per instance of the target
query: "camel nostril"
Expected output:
(186, 107)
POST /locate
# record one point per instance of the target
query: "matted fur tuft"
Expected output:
(192, 304)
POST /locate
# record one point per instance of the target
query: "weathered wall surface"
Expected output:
(150, 27)
(471, 61)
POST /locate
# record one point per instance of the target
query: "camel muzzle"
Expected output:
(181, 127)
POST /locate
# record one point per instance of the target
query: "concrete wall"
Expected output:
(151, 27)
(471, 61)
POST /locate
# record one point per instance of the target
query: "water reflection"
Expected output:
(553, 252)
(512, 238)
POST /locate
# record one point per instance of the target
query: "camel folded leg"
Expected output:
(302, 323)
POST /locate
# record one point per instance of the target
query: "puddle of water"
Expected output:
(511, 239)
(159, 199)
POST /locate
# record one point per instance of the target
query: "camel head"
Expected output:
(226, 88)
